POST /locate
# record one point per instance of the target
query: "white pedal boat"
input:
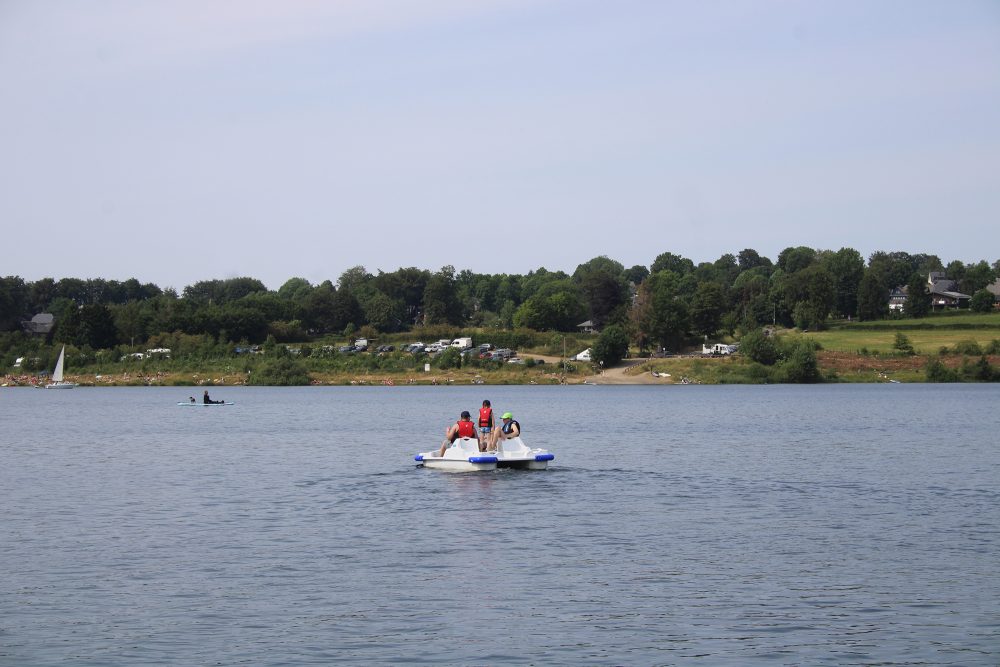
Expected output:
(514, 453)
(463, 455)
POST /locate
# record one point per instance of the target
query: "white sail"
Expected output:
(57, 374)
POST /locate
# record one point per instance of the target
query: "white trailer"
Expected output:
(719, 348)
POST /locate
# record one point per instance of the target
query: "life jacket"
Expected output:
(508, 427)
(485, 417)
(466, 429)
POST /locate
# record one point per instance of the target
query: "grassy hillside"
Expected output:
(927, 335)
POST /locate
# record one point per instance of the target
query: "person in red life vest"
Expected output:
(486, 423)
(463, 428)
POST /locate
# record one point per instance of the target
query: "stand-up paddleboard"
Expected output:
(205, 405)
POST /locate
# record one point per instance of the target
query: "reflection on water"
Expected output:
(788, 525)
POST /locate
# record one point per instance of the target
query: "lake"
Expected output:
(824, 525)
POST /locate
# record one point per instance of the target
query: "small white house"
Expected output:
(583, 356)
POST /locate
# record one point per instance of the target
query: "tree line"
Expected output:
(668, 304)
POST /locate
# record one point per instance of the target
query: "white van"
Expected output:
(462, 344)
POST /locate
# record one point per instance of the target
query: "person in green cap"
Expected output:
(509, 429)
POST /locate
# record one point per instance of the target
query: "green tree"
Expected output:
(404, 286)
(636, 274)
(320, 309)
(918, 300)
(902, 344)
(441, 304)
(977, 277)
(295, 289)
(748, 258)
(873, 299)
(603, 285)
(707, 308)
(809, 295)
(611, 346)
(96, 327)
(558, 306)
(847, 268)
(41, 294)
(670, 262)
(791, 260)
(382, 312)
(982, 301)
(757, 346)
(894, 269)
(14, 296)
(660, 315)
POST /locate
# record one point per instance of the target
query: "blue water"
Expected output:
(830, 525)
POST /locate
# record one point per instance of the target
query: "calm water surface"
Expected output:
(839, 525)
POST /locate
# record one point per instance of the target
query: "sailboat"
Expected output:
(57, 374)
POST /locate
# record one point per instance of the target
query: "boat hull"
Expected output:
(62, 385)
(513, 453)
(522, 464)
(461, 456)
(204, 405)
(455, 465)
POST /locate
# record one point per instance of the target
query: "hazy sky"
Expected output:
(178, 141)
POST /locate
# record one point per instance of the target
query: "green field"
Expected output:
(927, 335)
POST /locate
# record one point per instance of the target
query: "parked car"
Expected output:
(347, 349)
(382, 349)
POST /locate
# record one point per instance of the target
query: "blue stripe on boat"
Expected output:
(544, 457)
(418, 457)
(482, 459)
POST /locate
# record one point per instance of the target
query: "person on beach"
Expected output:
(463, 428)
(486, 423)
(509, 429)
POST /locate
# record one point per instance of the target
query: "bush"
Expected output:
(759, 347)
(450, 358)
(283, 372)
(969, 347)
(980, 371)
(993, 347)
(935, 371)
(903, 345)
(800, 367)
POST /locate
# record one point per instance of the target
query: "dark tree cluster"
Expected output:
(668, 304)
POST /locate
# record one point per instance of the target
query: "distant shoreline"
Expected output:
(834, 367)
